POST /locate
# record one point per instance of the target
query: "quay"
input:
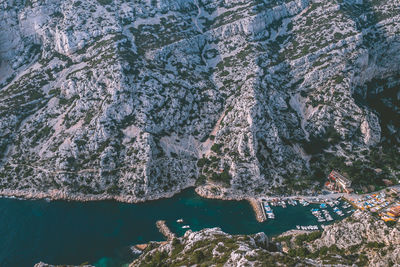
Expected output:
(258, 209)
(163, 228)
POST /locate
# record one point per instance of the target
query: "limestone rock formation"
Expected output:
(360, 240)
(210, 247)
(136, 100)
(362, 232)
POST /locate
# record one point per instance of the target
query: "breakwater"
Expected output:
(164, 230)
(258, 210)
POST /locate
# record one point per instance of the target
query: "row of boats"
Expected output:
(292, 202)
(318, 214)
(277, 203)
(307, 227)
(324, 215)
(333, 203)
(268, 211)
(303, 202)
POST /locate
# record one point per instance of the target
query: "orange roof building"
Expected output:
(395, 211)
(336, 176)
(340, 181)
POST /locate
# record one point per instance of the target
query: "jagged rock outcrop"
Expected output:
(42, 264)
(364, 233)
(212, 247)
(360, 240)
(138, 100)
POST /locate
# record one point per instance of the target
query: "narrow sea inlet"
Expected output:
(101, 233)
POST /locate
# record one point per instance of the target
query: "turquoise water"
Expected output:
(100, 233)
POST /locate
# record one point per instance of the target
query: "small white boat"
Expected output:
(303, 202)
(179, 221)
(185, 226)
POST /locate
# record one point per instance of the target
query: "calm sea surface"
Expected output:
(100, 233)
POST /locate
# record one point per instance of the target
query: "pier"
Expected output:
(258, 209)
(163, 228)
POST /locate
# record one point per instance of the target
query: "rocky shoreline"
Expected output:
(206, 191)
(156, 137)
(54, 194)
(202, 191)
(68, 196)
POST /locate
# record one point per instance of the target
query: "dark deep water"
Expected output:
(100, 233)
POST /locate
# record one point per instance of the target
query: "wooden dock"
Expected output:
(163, 228)
(261, 216)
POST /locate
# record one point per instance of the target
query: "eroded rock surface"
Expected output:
(360, 240)
(136, 100)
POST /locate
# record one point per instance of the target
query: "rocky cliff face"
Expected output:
(362, 234)
(212, 247)
(360, 240)
(138, 99)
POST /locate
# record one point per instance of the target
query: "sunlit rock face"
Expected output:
(360, 239)
(136, 100)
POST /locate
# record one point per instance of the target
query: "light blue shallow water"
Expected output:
(100, 233)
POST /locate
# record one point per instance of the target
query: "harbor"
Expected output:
(104, 232)
(324, 210)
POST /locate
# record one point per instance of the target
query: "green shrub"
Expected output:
(201, 162)
(307, 237)
(217, 148)
(375, 245)
(104, 2)
(223, 177)
(201, 180)
(198, 256)
(88, 117)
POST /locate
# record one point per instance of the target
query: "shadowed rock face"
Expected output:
(138, 99)
(382, 97)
